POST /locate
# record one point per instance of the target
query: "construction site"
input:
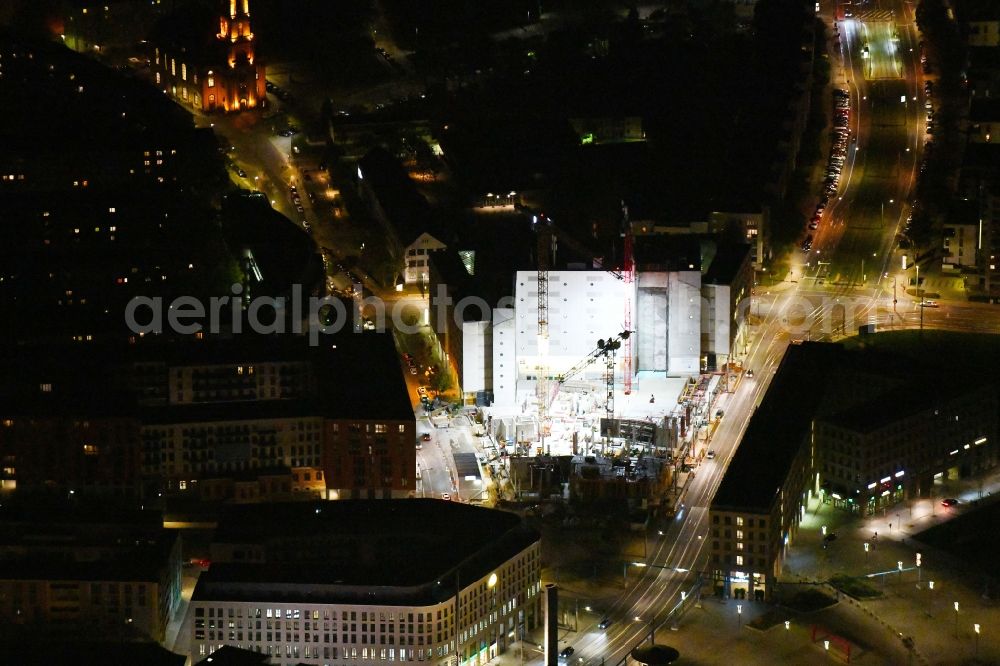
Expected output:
(640, 397)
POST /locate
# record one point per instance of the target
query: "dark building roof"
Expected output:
(500, 152)
(357, 375)
(915, 396)
(777, 429)
(51, 647)
(862, 389)
(667, 253)
(406, 209)
(725, 265)
(379, 551)
(979, 10)
(230, 655)
(284, 253)
(189, 33)
(981, 156)
(984, 110)
(41, 541)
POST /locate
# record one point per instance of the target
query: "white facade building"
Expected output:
(584, 306)
(477, 361)
(346, 582)
(417, 258)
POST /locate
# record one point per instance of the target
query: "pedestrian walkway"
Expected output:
(908, 605)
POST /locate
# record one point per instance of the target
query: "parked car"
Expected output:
(949, 501)
(604, 624)
(566, 651)
(710, 455)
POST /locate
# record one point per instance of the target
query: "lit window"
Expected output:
(739, 520)
(211, 81)
(90, 449)
(739, 560)
(45, 388)
(184, 71)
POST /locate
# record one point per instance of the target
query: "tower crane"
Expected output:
(546, 236)
(546, 244)
(605, 349)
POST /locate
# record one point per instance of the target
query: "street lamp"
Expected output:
(956, 619)
(975, 628)
(919, 564)
(867, 548)
(739, 616)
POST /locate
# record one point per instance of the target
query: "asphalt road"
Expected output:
(844, 281)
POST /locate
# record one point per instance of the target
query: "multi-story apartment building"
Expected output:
(120, 575)
(983, 22)
(421, 580)
(859, 430)
(881, 452)
(960, 245)
(726, 290)
(756, 511)
(246, 419)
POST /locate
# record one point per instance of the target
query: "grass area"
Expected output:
(856, 587)
(809, 600)
(973, 352)
(768, 619)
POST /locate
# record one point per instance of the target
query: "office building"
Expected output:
(388, 581)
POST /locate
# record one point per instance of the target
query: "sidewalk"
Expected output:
(907, 605)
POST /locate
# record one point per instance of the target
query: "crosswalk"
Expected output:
(873, 15)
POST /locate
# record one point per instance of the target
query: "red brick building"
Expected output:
(217, 73)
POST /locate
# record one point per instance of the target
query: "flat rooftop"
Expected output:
(411, 551)
(777, 429)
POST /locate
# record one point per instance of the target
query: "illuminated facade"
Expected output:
(452, 585)
(226, 76)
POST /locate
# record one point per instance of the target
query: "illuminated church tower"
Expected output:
(226, 76)
(241, 82)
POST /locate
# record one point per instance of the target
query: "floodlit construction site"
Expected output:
(601, 363)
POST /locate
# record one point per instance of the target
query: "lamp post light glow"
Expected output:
(975, 627)
(824, 530)
(739, 615)
(919, 564)
(788, 625)
(956, 619)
